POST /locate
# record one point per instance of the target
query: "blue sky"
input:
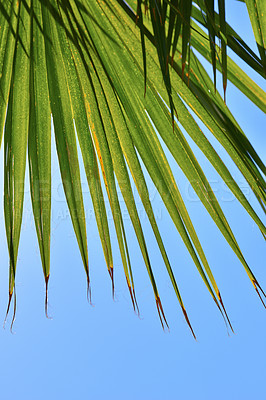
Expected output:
(105, 351)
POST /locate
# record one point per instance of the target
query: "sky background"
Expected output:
(105, 351)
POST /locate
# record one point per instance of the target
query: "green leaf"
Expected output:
(64, 133)
(15, 144)
(257, 10)
(39, 144)
(8, 37)
(234, 73)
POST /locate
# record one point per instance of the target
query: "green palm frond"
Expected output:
(121, 78)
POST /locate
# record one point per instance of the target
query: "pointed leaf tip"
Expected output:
(161, 313)
(133, 298)
(89, 290)
(14, 310)
(8, 307)
(226, 315)
(257, 288)
(46, 296)
(111, 273)
(188, 322)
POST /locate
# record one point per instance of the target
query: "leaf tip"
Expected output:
(133, 298)
(188, 322)
(89, 290)
(224, 310)
(14, 311)
(257, 288)
(111, 273)
(46, 296)
(161, 313)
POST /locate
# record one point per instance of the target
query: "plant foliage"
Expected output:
(121, 78)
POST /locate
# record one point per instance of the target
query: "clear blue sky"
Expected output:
(106, 351)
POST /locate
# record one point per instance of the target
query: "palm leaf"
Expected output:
(85, 63)
(256, 10)
(39, 142)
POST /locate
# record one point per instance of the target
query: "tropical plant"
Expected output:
(123, 78)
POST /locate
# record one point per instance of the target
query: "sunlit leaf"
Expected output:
(123, 81)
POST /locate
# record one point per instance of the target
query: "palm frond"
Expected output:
(121, 78)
